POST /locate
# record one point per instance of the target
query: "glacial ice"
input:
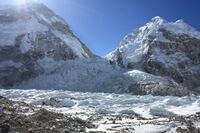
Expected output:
(106, 103)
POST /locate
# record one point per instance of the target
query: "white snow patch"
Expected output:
(180, 27)
(150, 128)
(26, 43)
(72, 42)
(50, 19)
(138, 75)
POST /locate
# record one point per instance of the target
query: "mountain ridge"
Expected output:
(45, 54)
(162, 48)
(32, 33)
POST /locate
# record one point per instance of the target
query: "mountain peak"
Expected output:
(180, 21)
(158, 20)
(162, 48)
(36, 18)
(135, 45)
(38, 39)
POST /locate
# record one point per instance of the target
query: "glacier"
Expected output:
(147, 106)
(142, 113)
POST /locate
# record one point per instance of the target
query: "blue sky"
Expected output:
(102, 24)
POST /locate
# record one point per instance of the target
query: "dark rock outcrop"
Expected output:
(158, 89)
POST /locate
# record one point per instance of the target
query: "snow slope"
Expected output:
(89, 75)
(33, 18)
(134, 46)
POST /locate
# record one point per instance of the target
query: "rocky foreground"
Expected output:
(24, 118)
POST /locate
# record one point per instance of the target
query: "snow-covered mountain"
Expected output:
(38, 50)
(162, 48)
(48, 73)
(32, 35)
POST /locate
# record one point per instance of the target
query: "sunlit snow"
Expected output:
(105, 103)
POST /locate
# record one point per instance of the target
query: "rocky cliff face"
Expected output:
(161, 48)
(31, 35)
